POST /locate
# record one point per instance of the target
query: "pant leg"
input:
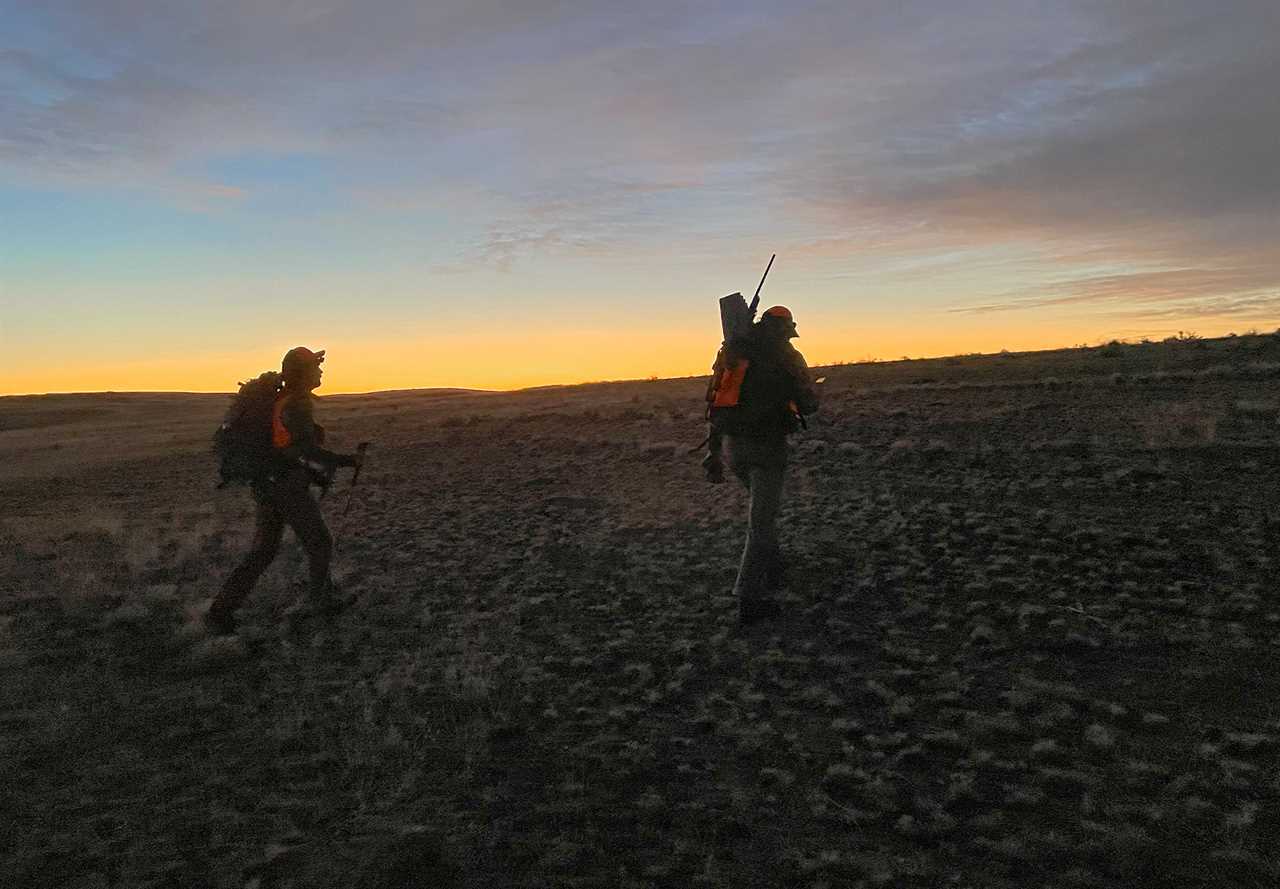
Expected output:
(760, 550)
(301, 512)
(761, 465)
(268, 531)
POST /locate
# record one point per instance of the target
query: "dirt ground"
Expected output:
(1031, 638)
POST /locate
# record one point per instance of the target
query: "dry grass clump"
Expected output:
(1260, 409)
(1179, 424)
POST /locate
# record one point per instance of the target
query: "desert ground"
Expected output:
(1031, 638)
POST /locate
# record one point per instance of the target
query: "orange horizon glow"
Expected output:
(504, 363)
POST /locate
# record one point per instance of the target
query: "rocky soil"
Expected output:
(1031, 638)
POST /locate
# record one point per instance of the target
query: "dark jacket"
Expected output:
(805, 393)
(296, 412)
(767, 384)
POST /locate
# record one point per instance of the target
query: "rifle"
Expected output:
(735, 315)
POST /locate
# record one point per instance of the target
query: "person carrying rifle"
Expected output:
(760, 391)
(282, 494)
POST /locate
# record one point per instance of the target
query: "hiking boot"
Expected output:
(753, 611)
(219, 622)
(713, 469)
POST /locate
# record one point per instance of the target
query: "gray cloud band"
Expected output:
(1146, 131)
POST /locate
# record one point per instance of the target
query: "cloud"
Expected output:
(1137, 289)
(1088, 133)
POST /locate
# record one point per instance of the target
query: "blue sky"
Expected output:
(190, 188)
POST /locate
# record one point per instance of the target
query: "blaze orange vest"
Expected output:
(725, 391)
(280, 435)
(728, 383)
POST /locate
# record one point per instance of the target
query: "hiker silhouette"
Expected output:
(281, 488)
(760, 391)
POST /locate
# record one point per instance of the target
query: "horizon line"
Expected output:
(466, 390)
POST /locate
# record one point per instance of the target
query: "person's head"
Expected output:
(777, 322)
(301, 368)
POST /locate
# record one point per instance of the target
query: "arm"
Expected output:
(297, 417)
(806, 393)
(716, 370)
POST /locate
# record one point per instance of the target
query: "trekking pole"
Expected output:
(355, 476)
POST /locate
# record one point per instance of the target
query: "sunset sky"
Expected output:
(500, 194)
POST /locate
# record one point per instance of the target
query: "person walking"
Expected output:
(760, 392)
(282, 495)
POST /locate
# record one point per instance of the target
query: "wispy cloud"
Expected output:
(1139, 289)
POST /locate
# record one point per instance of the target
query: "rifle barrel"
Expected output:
(755, 300)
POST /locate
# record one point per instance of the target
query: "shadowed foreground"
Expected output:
(1032, 638)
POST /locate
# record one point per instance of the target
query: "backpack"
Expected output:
(242, 442)
(751, 392)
